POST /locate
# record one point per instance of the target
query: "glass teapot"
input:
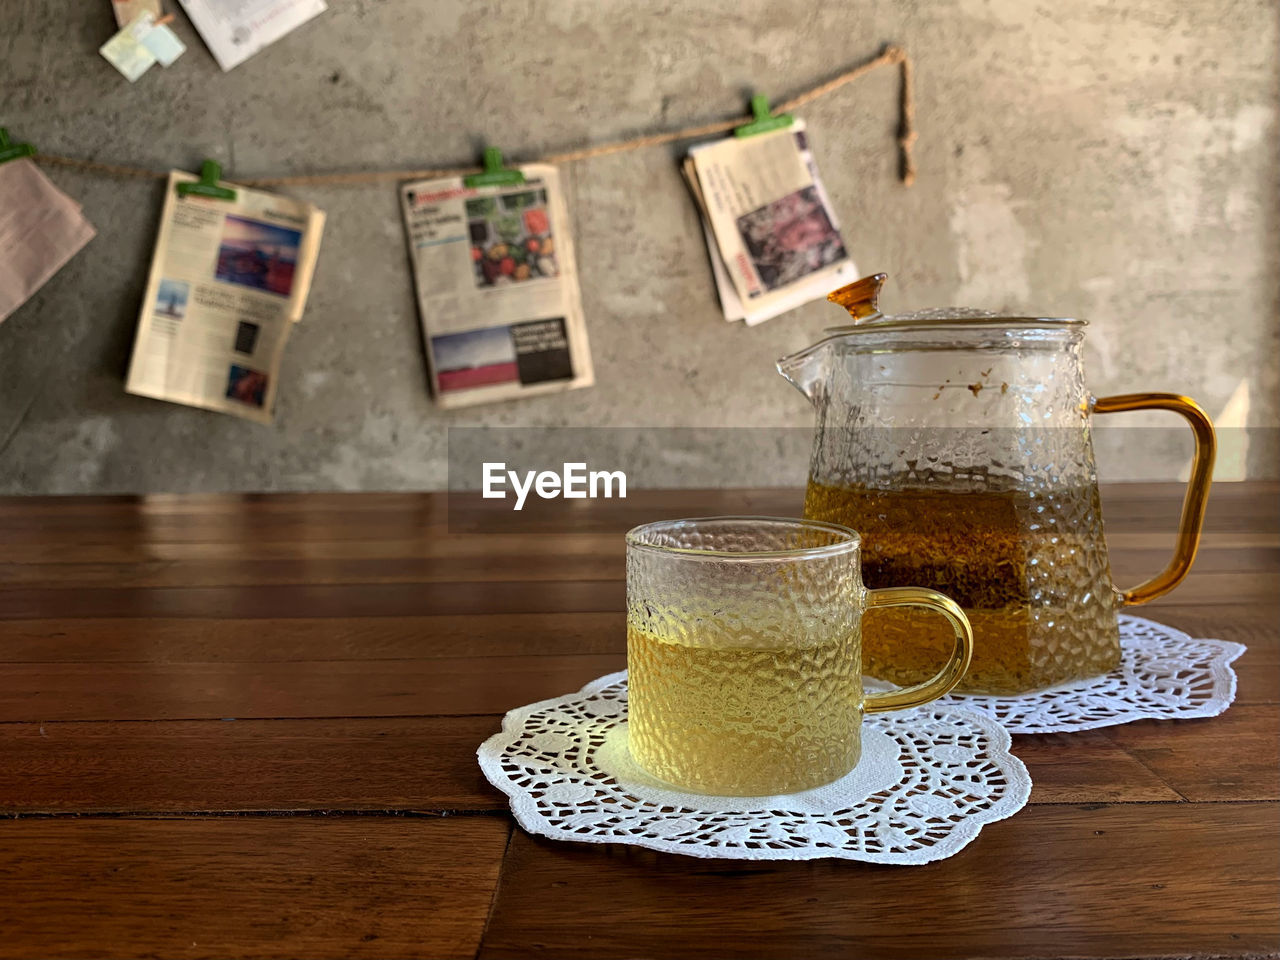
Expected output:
(958, 443)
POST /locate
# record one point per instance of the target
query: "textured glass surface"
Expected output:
(964, 459)
(936, 313)
(743, 654)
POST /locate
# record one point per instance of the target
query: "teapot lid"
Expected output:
(862, 299)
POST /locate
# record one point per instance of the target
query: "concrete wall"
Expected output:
(1110, 160)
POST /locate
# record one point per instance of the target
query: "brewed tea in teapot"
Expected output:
(958, 444)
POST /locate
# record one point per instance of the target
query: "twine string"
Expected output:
(890, 56)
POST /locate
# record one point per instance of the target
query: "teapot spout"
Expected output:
(806, 370)
(809, 369)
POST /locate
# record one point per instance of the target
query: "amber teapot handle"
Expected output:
(1197, 496)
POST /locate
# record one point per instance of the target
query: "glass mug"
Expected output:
(744, 653)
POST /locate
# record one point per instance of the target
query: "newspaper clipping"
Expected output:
(234, 30)
(228, 280)
(497, 288)
(771, 232)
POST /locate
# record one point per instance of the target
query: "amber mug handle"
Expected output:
(946, 678)
(1197, 496)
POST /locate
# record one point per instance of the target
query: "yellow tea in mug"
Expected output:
(745, 720)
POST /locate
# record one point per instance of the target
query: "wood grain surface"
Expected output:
(245, 726)
(1054, 881)
(283, 887)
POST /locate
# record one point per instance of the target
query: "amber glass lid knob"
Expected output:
(862, 297)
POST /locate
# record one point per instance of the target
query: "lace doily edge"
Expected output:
(524, 808)
(1225, 682)
(1230, 648)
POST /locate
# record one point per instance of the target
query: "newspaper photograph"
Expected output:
(776, 240)
(497, 288)
(228, 280)
(234, 30)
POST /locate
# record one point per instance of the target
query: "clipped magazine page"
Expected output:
(775, 231)
(228, 280)
(234, 30)
(497, 288)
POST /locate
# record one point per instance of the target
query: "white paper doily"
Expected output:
(928, 780)
(1163, 675)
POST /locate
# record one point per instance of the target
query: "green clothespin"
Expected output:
(495, 174)
(210, 174)
(764, 122)
(12, 151)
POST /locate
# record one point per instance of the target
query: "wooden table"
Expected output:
(246, 726)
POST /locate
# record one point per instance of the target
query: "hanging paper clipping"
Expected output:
(771, 232)
(497, 286)
(41, 228)
(234, 30)
(229, 278)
